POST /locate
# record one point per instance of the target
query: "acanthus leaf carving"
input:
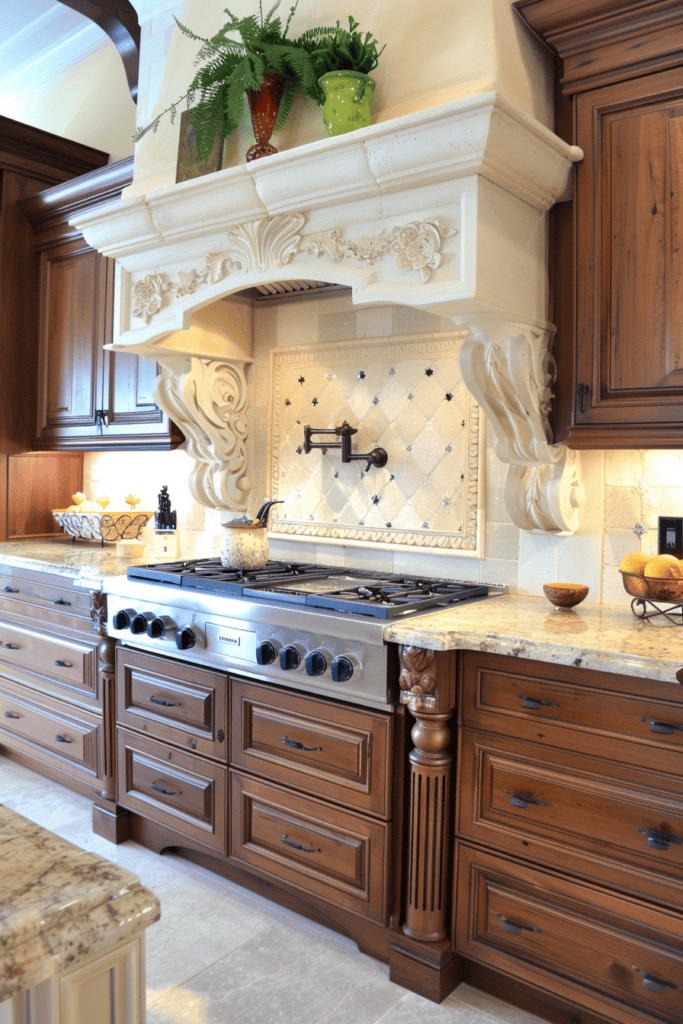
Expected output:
(417, 245)
(255, 246)
(417, 677)
(510, 370)
(208, 401)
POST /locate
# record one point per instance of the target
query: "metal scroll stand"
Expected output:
(377, 457)
(641, 606)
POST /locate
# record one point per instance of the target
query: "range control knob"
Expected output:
(266, 652)
(317, 662)
(139, 622)
(185, 638)
(342, 668)
(123, 618)
(160, 627)
(290, 657)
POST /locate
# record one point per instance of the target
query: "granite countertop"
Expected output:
(88, 560)
(59, 904)
(608, 638)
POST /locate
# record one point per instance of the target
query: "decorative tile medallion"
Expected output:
(404, 395)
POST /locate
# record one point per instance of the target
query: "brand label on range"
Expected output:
(233, 643)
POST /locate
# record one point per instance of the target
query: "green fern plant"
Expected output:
(340, 49)
(231, 66)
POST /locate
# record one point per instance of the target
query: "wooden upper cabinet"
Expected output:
(88, 398)
(30, 161)
(618, 260)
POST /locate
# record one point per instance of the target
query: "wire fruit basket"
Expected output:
(647, 592)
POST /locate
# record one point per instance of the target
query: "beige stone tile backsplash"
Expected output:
(625, 490)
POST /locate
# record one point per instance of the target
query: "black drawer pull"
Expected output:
(524, 801)
(12, 714)
(299, 746)
(658, 840)
(62, 739)
(11, 590)
(535, 702)
(653, 984)
(164, 703)
(11, 647)
(298, 846)
(65, 664)
(60, 600)
(663, 728)
(166, 792)
(513, 928)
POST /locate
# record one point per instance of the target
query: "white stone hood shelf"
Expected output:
(445, 209)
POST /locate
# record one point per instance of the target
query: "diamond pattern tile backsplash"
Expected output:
(406, 396)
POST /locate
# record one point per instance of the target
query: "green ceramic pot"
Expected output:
(347, 101)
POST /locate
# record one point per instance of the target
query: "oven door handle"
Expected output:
(297, 745)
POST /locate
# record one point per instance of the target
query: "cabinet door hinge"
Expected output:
(582, 392)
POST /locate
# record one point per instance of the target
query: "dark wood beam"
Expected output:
(118, 18)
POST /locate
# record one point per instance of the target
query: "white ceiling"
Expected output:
(40, 39)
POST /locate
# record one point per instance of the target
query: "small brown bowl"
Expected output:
(565, 595)
(654, 589)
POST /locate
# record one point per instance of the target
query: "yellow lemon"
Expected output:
(663, 567)
(634, 562)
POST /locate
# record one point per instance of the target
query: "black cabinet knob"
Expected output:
(185, 638)
(316, 663)
(341, 669)
(290, 658)
(265, 653)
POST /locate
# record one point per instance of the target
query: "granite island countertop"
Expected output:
(59, 904)
(608, 638)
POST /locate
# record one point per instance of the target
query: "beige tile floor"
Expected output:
(222, 955)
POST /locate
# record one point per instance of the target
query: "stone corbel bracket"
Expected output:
(207, 398)
(510, 370)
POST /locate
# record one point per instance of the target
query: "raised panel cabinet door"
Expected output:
(72, 308)
(629, 377)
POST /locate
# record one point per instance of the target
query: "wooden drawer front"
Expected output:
(336, 752)
(334, 854)
(71, 662)
(183, 791)
(588, 945)
(16, 591)
(580, 813)
(74, 736)
(173, 701)
(589, 715)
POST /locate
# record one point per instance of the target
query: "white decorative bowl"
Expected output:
(103, 526)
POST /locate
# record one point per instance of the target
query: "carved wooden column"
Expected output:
(432, 702)
(108, 820)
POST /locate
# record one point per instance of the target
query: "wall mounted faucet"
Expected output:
(377, 457)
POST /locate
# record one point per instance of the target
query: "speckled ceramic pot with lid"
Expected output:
(245, 543)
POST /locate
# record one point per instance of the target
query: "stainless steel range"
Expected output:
(311, 627)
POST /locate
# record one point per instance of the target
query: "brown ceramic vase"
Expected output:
(264, 105)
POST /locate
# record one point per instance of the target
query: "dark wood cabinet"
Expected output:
(51, 694)
(569, 835)
(618, 259)
(89, 399)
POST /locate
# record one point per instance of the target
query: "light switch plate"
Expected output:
(165, 544)
(671, 536)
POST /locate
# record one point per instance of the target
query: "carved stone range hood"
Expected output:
(445, 209)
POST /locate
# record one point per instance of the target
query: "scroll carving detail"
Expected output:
(417, 678)
(209, 403)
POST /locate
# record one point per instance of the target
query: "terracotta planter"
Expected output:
(264, 105)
